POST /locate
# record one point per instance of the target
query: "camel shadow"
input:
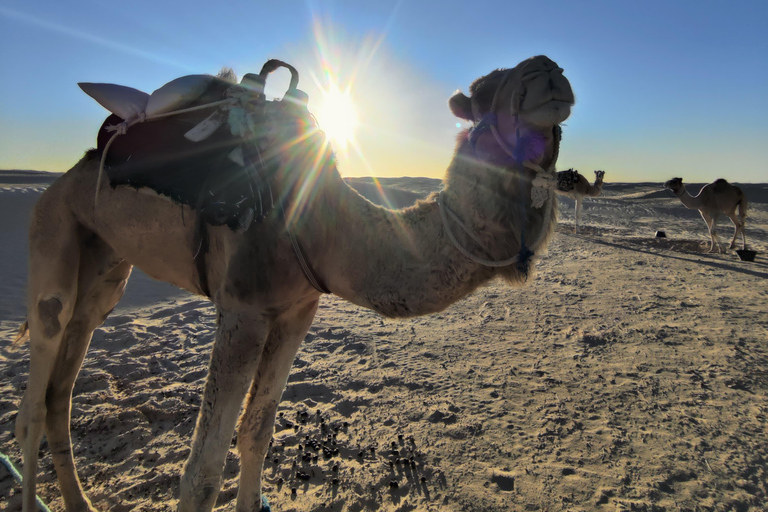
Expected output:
(695, 257)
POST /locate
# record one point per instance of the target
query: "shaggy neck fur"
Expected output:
(401, 263)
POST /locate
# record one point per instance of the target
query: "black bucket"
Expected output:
(746, 254)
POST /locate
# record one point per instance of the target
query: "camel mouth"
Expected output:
(547, 97)
(551, 113)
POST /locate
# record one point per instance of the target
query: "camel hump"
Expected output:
(721, 185)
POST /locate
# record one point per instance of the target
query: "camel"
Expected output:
(582, 189)
(485, 223)
(712, 200)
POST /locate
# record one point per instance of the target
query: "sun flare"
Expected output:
(337, 115)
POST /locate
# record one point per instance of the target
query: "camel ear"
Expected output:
(461, 106)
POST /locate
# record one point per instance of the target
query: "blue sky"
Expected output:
(664, 88)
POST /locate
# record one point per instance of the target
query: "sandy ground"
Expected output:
(630, 374)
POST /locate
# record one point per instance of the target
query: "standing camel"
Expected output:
(713, 199)
(497, 210)
(582, 189)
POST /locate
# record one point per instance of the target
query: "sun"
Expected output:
(337, 115)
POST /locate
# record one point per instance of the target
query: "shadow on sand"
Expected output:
(696, 257)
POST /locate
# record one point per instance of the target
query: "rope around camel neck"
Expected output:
(445, 211)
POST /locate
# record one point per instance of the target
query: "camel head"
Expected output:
(675, 185)
(516, 134)
(531, 98)
(599, 175)
(535, 90)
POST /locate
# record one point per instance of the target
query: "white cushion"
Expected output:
(125, 102)
(177, 94)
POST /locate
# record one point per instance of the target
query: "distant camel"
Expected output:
(582, 189)
(497, 208)
(713, 199)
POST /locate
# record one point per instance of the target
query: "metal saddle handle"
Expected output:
(255, 83)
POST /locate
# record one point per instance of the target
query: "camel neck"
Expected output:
(403, 262)
(688, 200)
(396, 262)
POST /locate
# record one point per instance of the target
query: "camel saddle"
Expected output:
(201, 141)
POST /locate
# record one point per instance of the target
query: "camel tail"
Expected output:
(22, 335)
(743, 203)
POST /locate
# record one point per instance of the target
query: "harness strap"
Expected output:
(311, 276)
(203, 241)
(482, 126)
(541, 186)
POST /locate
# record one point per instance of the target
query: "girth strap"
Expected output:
(201, 235)
(301, 256)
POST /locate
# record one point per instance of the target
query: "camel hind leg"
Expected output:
(99, 290)
(59, 247)
(738, 228)
(52, 292)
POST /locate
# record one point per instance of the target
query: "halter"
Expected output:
(544, 181)
(545, 178)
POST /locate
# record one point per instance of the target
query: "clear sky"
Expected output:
(664, 88)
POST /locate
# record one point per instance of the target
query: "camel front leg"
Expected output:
(578, 213)
(240, 339)
(257, 423)
(711, 229)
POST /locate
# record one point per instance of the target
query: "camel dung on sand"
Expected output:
(582, 189)
(493, 217)
(713, 200)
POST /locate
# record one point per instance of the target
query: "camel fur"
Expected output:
(398, 263)
(713, 200)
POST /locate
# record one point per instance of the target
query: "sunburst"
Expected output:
(337, 115)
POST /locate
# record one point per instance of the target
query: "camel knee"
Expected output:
(53, 314)
(30, 420)
(48, 310)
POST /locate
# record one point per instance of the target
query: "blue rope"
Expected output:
(17, 476)
(491, 119)
(481, 127)
(42, 506)
(525, 254)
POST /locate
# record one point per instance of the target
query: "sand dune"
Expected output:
(630, 374)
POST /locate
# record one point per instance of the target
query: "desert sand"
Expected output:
(629, 374)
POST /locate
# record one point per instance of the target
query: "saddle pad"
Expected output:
(155, 154)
